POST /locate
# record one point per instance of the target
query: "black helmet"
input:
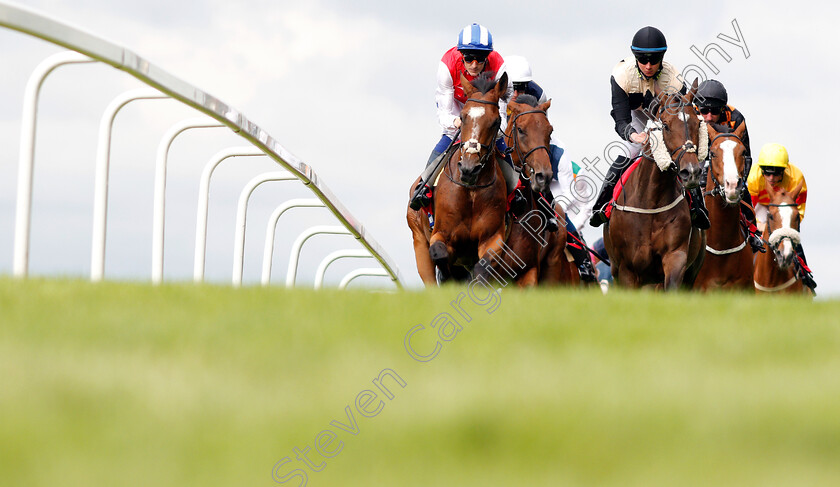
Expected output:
(711, 94)
(649, 40)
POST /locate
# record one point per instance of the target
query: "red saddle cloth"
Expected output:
(620, 186)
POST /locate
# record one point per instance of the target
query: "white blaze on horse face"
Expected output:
(472, 144)
(786, 215)
(730, 171)
(683, 116)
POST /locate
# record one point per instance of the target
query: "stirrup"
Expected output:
(808, 280)
(518, 205)
(700, 219)
(756, 243)
(587, 273)
(422, 197)
(598, 218)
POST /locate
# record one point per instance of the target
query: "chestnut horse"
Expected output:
(729, 260)
(470, 198)
(776, 271)
(650, 239)
(533, 252)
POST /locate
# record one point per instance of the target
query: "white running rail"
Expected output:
(90, 48)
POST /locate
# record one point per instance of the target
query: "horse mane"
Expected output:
(723, 129)
(527, 99)
(484, 82)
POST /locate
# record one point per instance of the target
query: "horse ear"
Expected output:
(692, 91)
(739, 130)
(653, 109)
(514, 107)
(770, 191)
(502, 85)
(468, 87)
(712, 132)
(544, 107)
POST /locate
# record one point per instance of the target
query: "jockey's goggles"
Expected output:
(470, 57)
(649, 57)
(772, 170)
(712, 110)
(521, 87)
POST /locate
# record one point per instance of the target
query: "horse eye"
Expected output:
(521, 132)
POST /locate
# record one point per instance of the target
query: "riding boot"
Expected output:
(699, 213)
(518, 203)
(614, 173)
(422, 196)
(546, 204)
(804, 271)
(749, 224)
(584, 264)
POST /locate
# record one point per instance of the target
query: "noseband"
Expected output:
(669, 162)
(781, 234)
(523, 159)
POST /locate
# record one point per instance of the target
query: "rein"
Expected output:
(514, 137)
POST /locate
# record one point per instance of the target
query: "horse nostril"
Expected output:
(540, 177)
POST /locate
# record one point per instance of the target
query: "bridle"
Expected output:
(687, 147)
(778, 236)
(477, 146)
(718, 189)
(514, 136)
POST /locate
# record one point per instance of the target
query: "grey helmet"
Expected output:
(711, 94)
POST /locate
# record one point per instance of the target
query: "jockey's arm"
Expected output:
(448, 109)
(621, 110)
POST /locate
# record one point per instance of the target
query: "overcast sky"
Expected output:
(348, 87)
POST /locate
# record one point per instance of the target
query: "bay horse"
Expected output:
(776, 271)
(728, 263)
(534, 253)
(470, 199)
(650, 239)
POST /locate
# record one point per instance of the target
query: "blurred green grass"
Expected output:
(135, 385)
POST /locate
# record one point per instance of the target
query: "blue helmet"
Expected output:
(475, 37)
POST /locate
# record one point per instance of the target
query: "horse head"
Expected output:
(529, 137)
(675, 135)
(480, 122)
(728, 160)
(783, 224)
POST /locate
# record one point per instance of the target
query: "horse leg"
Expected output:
(425, 266)
(439, 254)
(529, 279)
(674, 265)
(484, 264)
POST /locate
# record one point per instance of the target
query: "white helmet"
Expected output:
(518, 69)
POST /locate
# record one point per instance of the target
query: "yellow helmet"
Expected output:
(773, 155)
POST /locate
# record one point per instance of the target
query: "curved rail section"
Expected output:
(23, 20)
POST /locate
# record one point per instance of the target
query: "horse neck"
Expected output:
(655, 187)
(726, 222)
(767, 272)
